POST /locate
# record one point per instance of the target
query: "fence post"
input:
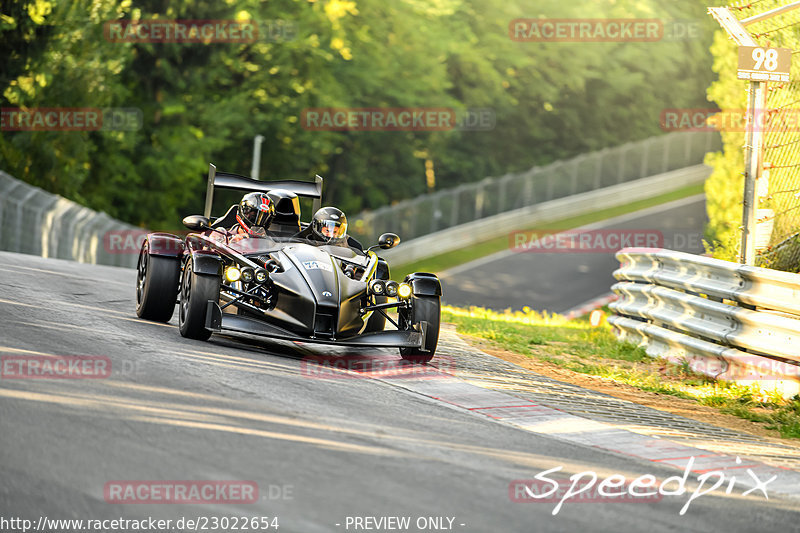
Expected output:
(665, 154)
(528, 187)
(576, 163)
(754, 136)
(621, 158)
(456, 206)
(646, 158)
(598, 170)
(437, 213)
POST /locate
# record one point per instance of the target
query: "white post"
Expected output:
(754, 137)
(257, 140)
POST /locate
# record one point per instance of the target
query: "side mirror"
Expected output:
(196, 222)
(388, 240)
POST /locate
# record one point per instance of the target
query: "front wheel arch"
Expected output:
(426, 309)
(195, 292)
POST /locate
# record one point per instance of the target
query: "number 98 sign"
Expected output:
(764, 64)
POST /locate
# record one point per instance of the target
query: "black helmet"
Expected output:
(255, 212)
(329, 224)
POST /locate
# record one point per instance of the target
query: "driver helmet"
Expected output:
(255, 212)
(329, 224)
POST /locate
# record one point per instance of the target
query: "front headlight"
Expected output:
(377, 286)
(232, 274)
(404, 291)
(391, 288)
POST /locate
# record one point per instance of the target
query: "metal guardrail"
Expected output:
(431, 213)
(33, 221)
(726, 320)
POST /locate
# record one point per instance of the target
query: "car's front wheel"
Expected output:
(423, 309)
(196, 291)
(156, 285)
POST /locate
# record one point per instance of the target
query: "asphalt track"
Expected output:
(559, 282)
(320, 448)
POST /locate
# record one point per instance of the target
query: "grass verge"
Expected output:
(438, 263)
(577, 346)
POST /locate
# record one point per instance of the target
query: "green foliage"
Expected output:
(205, 102)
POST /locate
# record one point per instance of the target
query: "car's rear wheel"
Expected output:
(196, 291)
(423, 309)
(156, 285)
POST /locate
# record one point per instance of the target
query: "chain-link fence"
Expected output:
(36, 222)
(33, 221)
(779, 187)
(447, 208)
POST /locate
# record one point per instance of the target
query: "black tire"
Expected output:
(196, 291)
(156, 286)
(377, 320)
(423, 309)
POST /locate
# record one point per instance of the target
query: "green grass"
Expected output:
(438, 263)
(577, 346)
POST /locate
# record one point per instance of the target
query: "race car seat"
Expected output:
(227, 220)
(287, 213)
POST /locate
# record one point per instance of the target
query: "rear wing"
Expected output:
(224, 180)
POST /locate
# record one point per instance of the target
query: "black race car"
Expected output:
(283, 284)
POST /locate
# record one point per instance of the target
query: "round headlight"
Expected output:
(377, 286)
(391, 288)
(232, 273)
(404, 290)
(261, 275)
(247, 274)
